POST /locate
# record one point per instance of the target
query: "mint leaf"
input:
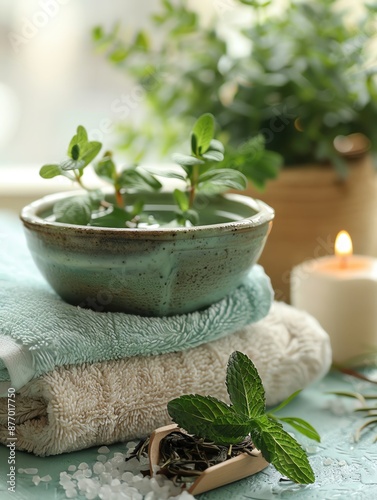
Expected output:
(221, 179)
(216, 145)
(114, 217)
(302, 426)
(285, 454)
(71, 164)
(80, 150)
(90, 151)
(208, 417)
(75, 210)
(244, 386)
(137, 178)
(186, 160)
(50, 171)
(105, 168)
(213, 155)
(181, 200)
(204, 131)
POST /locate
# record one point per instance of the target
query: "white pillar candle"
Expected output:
(340, 291)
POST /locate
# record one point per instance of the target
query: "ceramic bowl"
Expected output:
(150, 271)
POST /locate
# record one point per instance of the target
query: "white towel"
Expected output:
(76, 407)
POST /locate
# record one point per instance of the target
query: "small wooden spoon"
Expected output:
(218, 475)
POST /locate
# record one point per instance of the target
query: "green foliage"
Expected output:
(306, 78)
(209, 418)
(92, 209)
(199, 173)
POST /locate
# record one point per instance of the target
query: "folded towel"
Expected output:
(39, 331)
(101, 403)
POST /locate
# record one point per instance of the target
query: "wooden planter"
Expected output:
(227, 472)
(311, 206)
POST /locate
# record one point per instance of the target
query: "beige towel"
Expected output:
(77, 407)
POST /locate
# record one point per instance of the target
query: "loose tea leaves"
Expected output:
(183, 457)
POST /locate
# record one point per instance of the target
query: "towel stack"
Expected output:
(86, 378)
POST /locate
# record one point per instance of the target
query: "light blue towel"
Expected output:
(39, 331)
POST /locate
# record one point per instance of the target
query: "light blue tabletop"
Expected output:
(344, 469)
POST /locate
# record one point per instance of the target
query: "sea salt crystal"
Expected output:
(71, 493)
(36, 480)
(108, 466)
(117, 460)
(101, 458)
(46, 479)
(98, 467)
(105, 478)
(87, 473)
(327, 461)
(312, 448)
(72, 468)
(78, 474)
(131, 445)
(342, 463)
(31, 471)
(91, 495)
(128, 477)
(103, 449)
(21, 471)
(83, 466)
(132, 465)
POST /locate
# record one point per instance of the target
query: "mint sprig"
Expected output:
(209, 418)
(200, 171)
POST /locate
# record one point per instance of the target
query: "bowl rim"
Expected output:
(30, 218)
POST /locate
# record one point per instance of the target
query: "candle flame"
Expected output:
(343, 244)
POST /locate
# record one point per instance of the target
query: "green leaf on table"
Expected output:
(76, 210)
(285, 453)
(204, 131)
(50, 171)
(186, 160)
(244, 386)
(221, 180)
(208, 417)
(302, 426)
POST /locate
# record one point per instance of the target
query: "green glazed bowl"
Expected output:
(149, 271)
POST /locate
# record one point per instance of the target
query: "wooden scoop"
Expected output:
(218, 475)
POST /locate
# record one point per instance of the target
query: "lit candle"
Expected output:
(340, 291)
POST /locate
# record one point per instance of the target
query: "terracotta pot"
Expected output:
(311, 207)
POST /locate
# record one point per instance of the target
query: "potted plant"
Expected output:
(301, 76)
(141, 250)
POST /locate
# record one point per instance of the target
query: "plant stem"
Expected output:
(79, 181)
(194, 182)
(119, 198)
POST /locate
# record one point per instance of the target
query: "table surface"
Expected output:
(343, 468)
